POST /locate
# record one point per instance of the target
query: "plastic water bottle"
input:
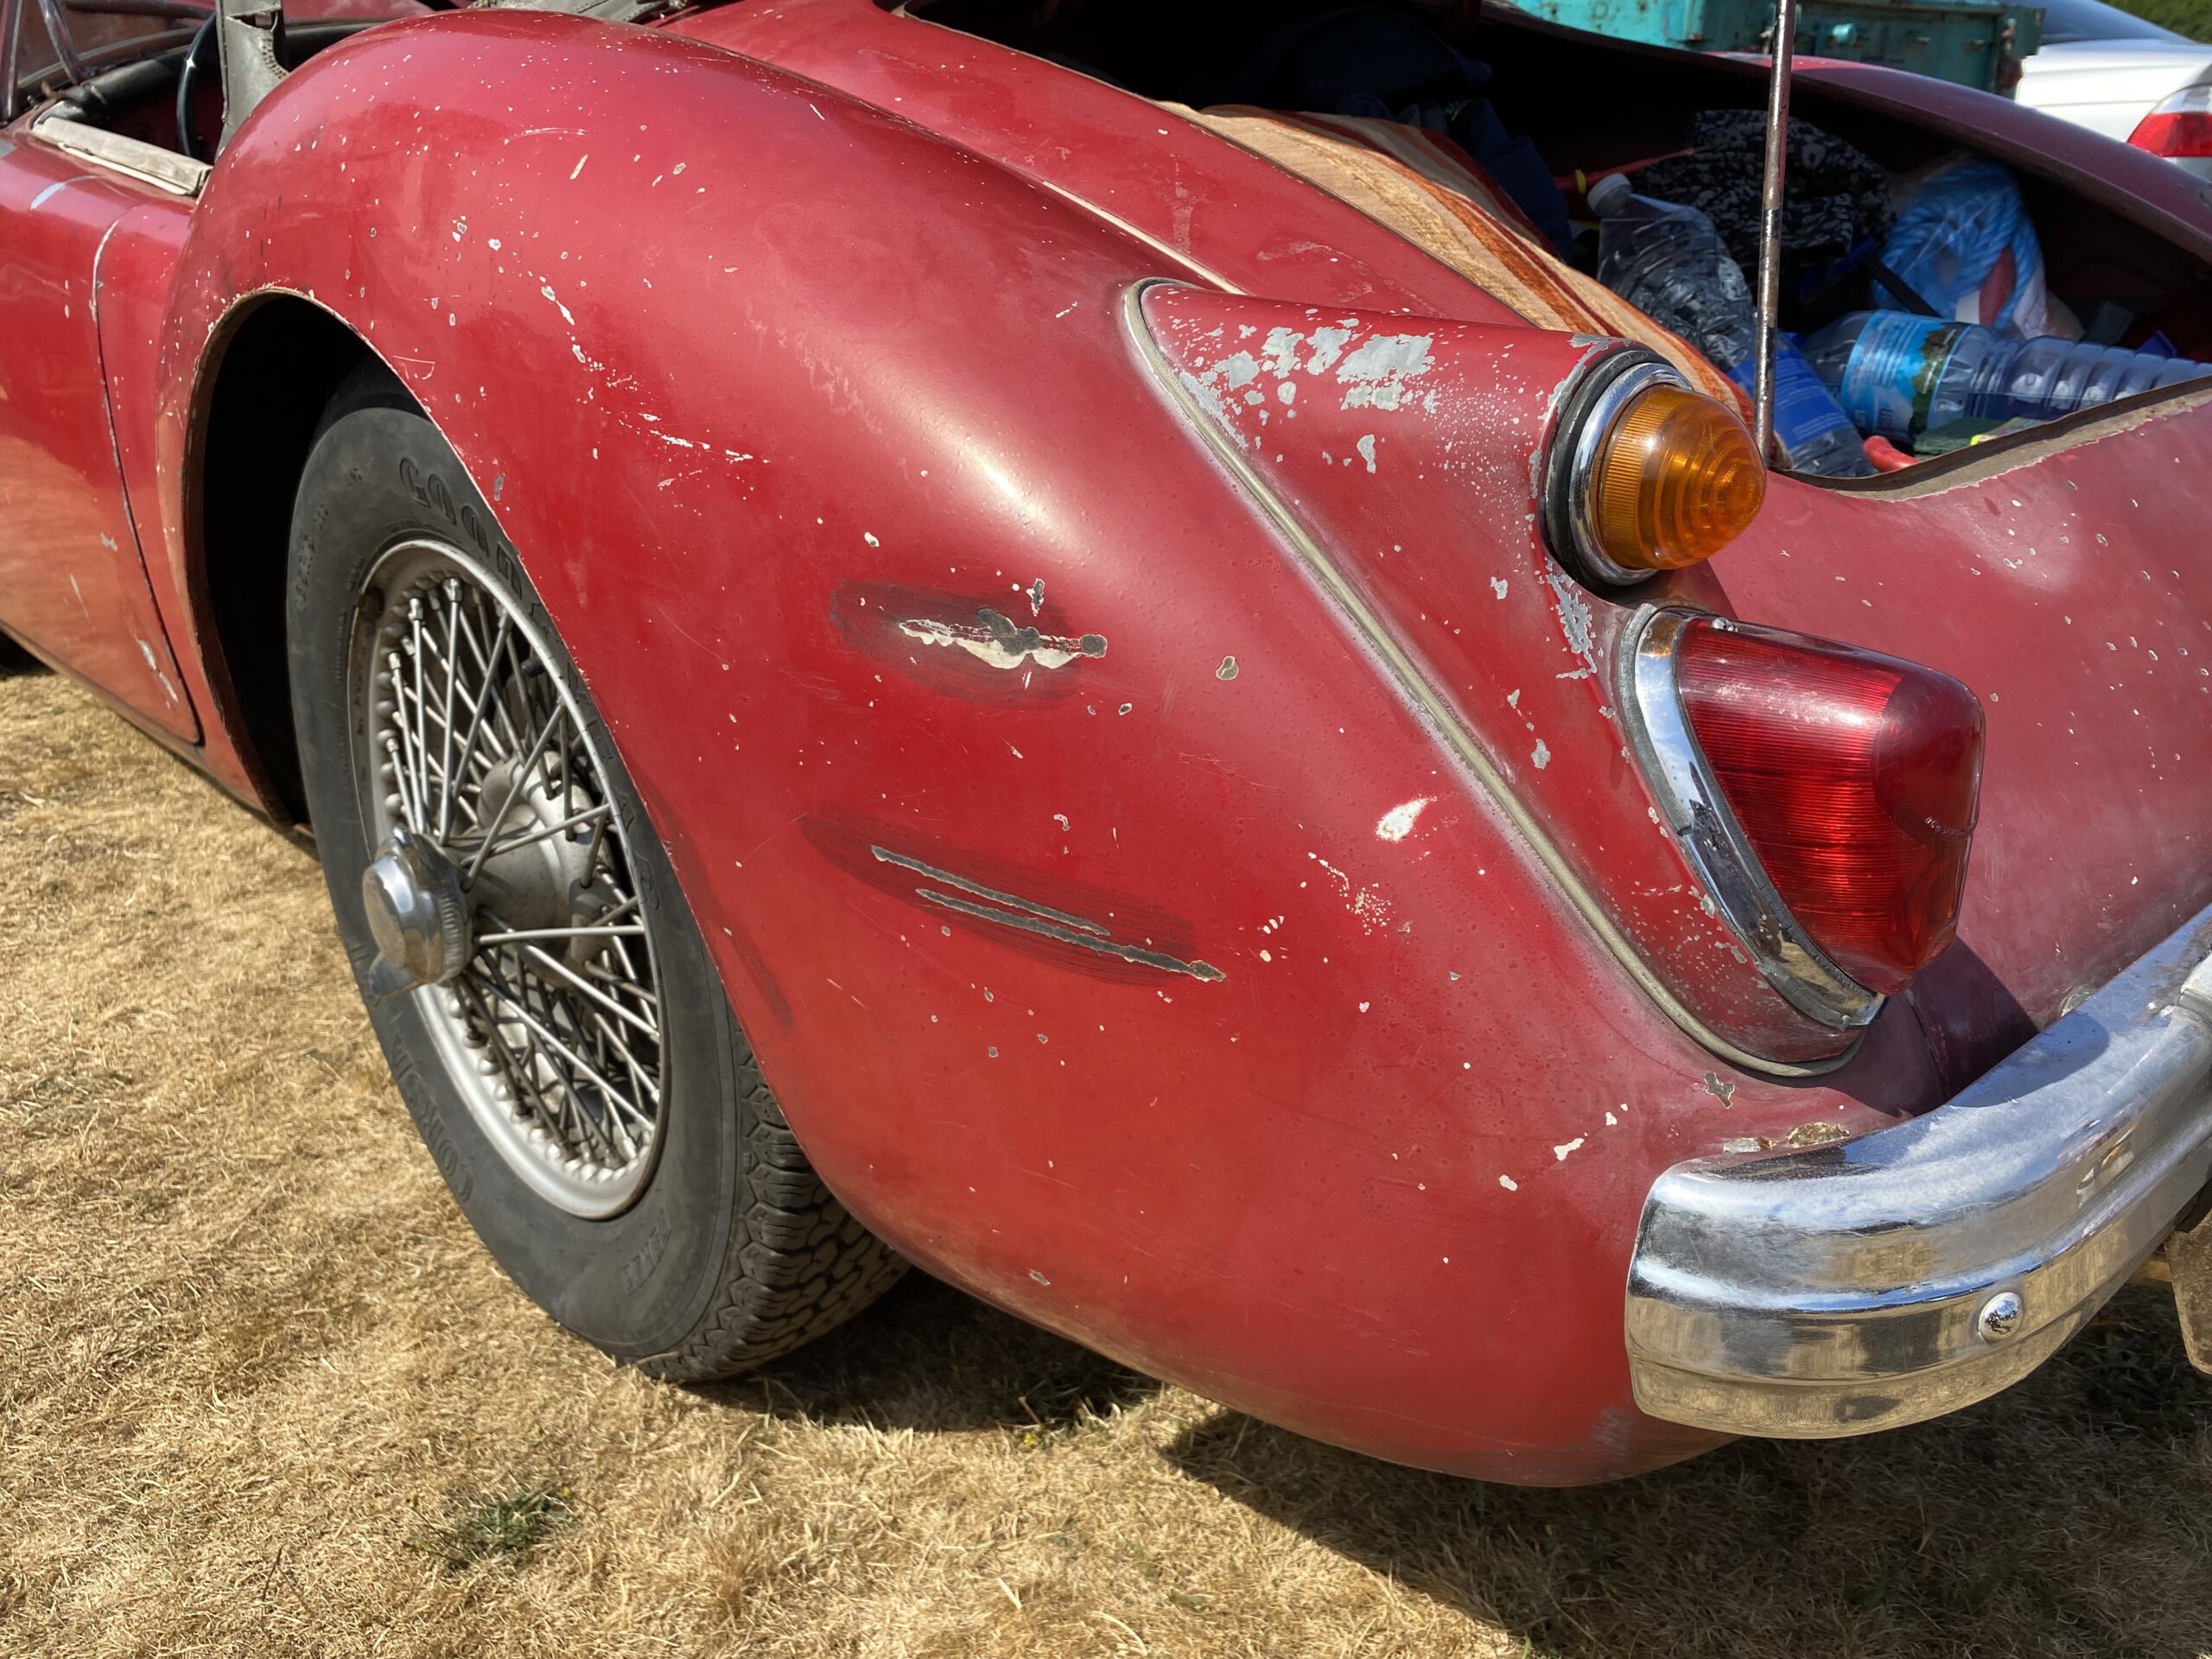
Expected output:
(1667, 260)
(1902, 376)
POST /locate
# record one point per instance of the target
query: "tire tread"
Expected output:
(797, 1263)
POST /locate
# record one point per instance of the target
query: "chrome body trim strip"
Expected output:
(1915, 1270)
(1690, 801)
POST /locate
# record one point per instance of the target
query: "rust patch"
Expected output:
(1818, 1134)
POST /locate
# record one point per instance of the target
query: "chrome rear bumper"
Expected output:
(1919, 1268)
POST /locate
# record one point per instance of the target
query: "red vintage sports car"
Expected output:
(1259, 767)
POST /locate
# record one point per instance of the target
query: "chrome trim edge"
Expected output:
(1896, 1277)
(1627, 374)
(1690, 801)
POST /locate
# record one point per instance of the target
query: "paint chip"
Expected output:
(1398, 822)
(1227, 671)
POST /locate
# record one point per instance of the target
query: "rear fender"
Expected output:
(1122, 943)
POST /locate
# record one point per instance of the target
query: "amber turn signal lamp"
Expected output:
(1648, 475)
(1677, 479)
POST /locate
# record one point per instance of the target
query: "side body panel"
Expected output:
(71, 582)
(1124, 945)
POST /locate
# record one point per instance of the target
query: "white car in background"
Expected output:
(2114, 73)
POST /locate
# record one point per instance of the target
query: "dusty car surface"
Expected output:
(1218, 744)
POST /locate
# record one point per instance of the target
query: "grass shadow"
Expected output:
(936, 1360)
(2072, 1514)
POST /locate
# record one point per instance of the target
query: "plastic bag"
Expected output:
(1963, 242)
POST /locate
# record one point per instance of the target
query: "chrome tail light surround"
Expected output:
(1721, 857)
(1592, 405)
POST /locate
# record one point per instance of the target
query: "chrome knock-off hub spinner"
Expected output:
(416, 913)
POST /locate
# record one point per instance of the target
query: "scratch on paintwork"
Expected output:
(1008, 910)
(993, 637)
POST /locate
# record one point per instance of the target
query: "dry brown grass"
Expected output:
(260, 1393)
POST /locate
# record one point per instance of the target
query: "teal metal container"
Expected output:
(1974, 42)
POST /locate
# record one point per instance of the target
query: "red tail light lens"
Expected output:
(2180, 128)
(1854, 777)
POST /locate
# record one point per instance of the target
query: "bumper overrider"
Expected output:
(1915, 1270)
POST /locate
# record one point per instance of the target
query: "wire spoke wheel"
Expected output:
(502, 892)
(557, 1025)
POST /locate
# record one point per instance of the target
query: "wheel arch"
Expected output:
(271, 369)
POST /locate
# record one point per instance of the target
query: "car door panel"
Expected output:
(72, 581)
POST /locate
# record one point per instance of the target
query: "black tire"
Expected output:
(733, 1251)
